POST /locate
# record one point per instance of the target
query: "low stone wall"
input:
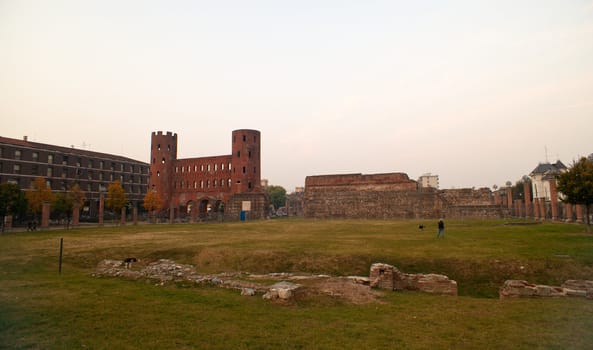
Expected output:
(524, 289)
(385, 276)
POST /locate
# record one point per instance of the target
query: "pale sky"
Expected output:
(474, 91)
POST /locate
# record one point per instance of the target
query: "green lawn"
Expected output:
(40, 309)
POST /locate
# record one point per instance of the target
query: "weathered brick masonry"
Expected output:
(392, 196)
(213, 186)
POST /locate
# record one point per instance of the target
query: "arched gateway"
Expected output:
(203, 188)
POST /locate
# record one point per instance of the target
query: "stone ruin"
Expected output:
(386, 276)
(524, 289)
(355, 289)
(287, 287)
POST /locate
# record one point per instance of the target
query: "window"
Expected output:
(195, 168)
(122, 167)
(90, 163)
(90, 175)
(221, 183)
(202, 184)
(208, 183)
(216, 167)
(50, 172)
(158, 174)
(65, 160)
(249, 154)
(163, 161)
(244, 138)
(229, 166)
(111, 177)
(17, 154)
(249, 185)
(176, 169)
(214, 183)
(238, 154)
(229, 183)
(112, 167)
(17, 169)
(101, 164)
(221, 166)
(243, 170)
(64, 172)
(35, 169)
(208, 167)
(195, 185)
(158, 147)
(89, 188)
(202, 167)
(35, 156)
(101, 176)
(50, 159)
(78, 162)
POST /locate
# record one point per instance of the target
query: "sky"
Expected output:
(477, 92)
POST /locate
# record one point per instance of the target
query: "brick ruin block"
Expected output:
(383, 276)
(386, 276)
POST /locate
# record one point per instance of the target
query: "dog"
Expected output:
(421, 227)
(128, 262)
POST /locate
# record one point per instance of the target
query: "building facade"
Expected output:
(21, 161)
(210, 187)
(429, 180)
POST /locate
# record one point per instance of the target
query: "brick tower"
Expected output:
(246, 161)
(163, 155)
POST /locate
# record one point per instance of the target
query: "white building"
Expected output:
(429, 180)
(541, 177)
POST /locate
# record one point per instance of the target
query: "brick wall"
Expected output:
(391, 196)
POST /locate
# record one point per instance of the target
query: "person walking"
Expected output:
(441, 232)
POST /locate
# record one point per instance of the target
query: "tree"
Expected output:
(116, 197)
(577, 185)
(76, 196)
(65, 202)
(153, 202)
(12, 201)
(277, 196)
(40, 193)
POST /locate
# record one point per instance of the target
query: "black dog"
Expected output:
(128, 262)
(421, 227)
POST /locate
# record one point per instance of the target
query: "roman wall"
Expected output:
(391, 196)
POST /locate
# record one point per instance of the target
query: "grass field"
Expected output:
(40, 309)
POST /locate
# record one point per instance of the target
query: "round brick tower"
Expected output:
(246, 173)
(163, 155)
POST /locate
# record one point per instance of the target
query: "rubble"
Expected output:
(524, 289)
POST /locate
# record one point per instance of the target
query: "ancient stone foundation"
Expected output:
(524, 289)
(386, 276)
